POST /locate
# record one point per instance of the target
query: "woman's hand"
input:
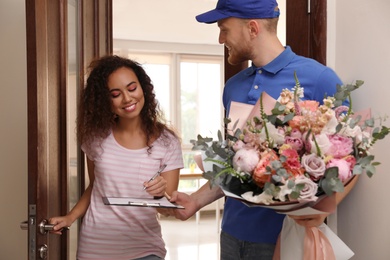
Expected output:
(60, 223)
(156, 187)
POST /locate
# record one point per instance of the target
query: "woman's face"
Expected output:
(126, 93)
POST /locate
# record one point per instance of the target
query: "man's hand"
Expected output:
(185, 200)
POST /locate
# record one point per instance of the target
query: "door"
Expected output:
(62, 38)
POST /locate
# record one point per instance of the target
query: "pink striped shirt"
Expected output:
(125, 232)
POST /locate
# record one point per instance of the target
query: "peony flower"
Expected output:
(245, 160)
(351, 160)
(314, 165)
(308, 193)
(341, 146)
(238, 145)
(344, 168)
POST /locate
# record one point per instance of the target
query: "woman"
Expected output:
(126, 142)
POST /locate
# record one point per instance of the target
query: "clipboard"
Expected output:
(126, 201)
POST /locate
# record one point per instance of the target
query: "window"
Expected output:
(189, 90)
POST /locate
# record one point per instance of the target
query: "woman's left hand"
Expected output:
(156, 187)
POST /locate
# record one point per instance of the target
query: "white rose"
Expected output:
(355, 132)
(322, 142)
(274, 134)
(330, 127)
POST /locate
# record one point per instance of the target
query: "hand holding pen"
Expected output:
(156, 174)
(154, 177)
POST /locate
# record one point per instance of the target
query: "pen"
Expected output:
(157, 173)
(167, 196)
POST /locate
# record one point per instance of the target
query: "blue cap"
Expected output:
(245, 9)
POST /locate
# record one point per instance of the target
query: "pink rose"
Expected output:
(341, 146)
(245, 160)
(314, 165)
(344, 167)
(310, 189)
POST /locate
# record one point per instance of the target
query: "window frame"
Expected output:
(175, 53)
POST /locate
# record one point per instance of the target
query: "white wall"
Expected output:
(164, 21)
(361, 51)
(13, 131)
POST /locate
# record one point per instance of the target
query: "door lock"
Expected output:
(43, 251)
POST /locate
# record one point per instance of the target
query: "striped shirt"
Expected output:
(124, 232)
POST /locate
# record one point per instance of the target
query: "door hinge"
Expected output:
(308, 6)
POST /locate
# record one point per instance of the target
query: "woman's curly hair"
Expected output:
(95, 117)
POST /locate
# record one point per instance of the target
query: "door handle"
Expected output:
(44, 226)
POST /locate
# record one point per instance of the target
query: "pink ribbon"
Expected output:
(317, 246)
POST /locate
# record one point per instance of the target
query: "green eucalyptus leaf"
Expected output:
(357, 169)
(290, 184)
(332, 172)
(288, 117)
(294, 195)
(277, 178)
(366, 160)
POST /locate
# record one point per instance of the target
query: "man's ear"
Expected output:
(254, 28)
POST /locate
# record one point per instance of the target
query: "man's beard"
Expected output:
(236, 57)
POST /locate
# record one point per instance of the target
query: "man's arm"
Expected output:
(194, 202)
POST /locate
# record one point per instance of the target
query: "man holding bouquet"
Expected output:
(248, 30)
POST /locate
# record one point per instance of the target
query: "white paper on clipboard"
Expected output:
(125, 201)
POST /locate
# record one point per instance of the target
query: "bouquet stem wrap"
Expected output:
(316, 243)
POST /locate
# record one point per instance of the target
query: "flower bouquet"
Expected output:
(289, 154)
